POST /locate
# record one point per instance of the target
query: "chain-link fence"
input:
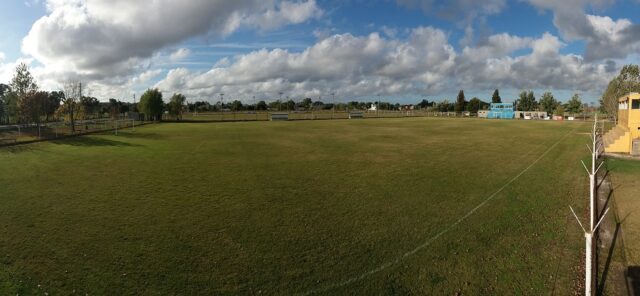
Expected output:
(21, 133)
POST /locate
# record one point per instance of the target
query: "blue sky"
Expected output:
(403, 50)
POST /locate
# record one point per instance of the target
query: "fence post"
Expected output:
(593, 225)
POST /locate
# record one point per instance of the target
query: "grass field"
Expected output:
(366, 207)
(625, 176)
(310, 115)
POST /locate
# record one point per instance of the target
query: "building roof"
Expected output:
(633, 95)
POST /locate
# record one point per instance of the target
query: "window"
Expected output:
(635, 104)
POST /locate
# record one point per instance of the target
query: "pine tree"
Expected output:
(495, 98)
(460, 102)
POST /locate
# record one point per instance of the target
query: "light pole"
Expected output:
(333, 102)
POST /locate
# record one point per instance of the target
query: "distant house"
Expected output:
(373, 107)
(531, 114)
(483, 113)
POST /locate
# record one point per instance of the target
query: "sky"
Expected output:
(396, 50)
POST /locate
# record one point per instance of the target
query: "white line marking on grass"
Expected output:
(438, 235)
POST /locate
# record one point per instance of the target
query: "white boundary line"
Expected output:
(435, 237)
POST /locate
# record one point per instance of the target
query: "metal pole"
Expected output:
(333, 95)
(592, 185)
(588, 281)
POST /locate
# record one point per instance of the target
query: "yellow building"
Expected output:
(625, 137)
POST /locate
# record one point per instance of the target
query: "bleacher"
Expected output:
(279, 116)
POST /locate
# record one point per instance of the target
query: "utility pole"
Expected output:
(221, 101)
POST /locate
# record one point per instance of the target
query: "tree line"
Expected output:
(306, 104)
(21, 101)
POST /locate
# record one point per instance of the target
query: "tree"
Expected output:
(90, 105)
(72, 91)
(290, 105)
(424, 104)
(559, 111)
(307, 103)
(262, 106)
(527, 101)
(114, 108)
(574, 105)
(11, 106)
(236, 105)
(32, 105)
(53, 103)
(627, 81)
(495, 98)
(4, 91)
(23, 82)
(151, 104)
(460, 102)
(277, 104)
(176, 105)
(548, 103)
(444, 106)
(475, 104)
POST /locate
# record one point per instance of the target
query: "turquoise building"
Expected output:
(501, 111)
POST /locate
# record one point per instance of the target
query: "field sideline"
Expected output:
(308, 207)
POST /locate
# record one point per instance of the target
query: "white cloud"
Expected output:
(424, 64)
(179, 54)
(605, 37)
(285, 12)
(121, 50)
(2, 56)
(94, 39)
(344, 63)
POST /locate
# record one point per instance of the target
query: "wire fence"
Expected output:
(328, 115)
(26, 133)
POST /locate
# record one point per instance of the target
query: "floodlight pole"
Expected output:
(333, 95)
(221, 101)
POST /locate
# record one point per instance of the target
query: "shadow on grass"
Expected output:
(140, 135)
(17, 149)
(633, 280)
(84, 141)
(607, 266)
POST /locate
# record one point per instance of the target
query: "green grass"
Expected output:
(291, 207)
(625, 178)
